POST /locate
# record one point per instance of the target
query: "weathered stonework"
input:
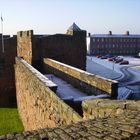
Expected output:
(104, 108)
(38, 105)
(89, 83)
(33, 48)
(24, 45)
(121, 127)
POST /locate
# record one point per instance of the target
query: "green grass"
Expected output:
(10, 121)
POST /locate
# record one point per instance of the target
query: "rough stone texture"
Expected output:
(68, 49)
(38, 105)
(24, 45)
(65, 48)
(101, 108)
(89, 83)
(7, 74)
(121, 127)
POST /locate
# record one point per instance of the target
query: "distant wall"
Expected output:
(7, 74)
(89, 83)
(68, 49)
(104, 108)
(38, 105)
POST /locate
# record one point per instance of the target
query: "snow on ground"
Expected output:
(64, 89)
(106, 69)
(102, 68)
(67, 92)
(132, 60)
(114, 67)
(114, 71)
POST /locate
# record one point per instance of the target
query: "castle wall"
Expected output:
(105, 108)
(122, 127)
(38, 105)
(64, 48)
(24, 45)
(89, 83)
(7, 74)
(67, 49)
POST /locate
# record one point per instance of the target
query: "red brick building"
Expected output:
(125, 44)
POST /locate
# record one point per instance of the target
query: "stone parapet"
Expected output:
(121, 127)
(38, 105)
(100, 108)
(87, 82)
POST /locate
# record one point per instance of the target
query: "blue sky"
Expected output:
(55, 16)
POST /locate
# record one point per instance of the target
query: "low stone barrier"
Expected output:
(38, 105)
(87, 82)
(104, 108)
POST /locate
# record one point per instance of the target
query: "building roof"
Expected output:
(116, 35)
(74, 27)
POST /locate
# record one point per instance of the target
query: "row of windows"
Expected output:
(113, 51)
(116, 45)
(115, 40)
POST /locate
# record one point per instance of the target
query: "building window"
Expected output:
(93, 39)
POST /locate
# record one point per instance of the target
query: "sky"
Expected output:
(55, 16)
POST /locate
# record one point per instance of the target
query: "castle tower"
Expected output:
(79, 44)
(78, 33)
(73, 28)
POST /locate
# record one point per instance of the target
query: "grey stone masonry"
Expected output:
(122, 127)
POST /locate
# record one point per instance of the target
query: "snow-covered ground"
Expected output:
(102, 67)
(64, 89)
(67, 92)
(127, 75)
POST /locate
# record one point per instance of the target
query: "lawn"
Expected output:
(10, 121)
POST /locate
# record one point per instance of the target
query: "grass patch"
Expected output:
(10, 121)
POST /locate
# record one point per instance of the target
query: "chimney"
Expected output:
(127, 32)
(88, 34)
(110, 32)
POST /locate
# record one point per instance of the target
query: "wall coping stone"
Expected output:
(44, 79)
(81, 71)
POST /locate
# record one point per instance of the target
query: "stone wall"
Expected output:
(104, 108)
(38, 105)
(25, 45)
(68, 49)
(122, 127)
(7, 74)
(89, 83)
(65, 48)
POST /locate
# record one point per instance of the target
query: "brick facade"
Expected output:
(127, 44)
